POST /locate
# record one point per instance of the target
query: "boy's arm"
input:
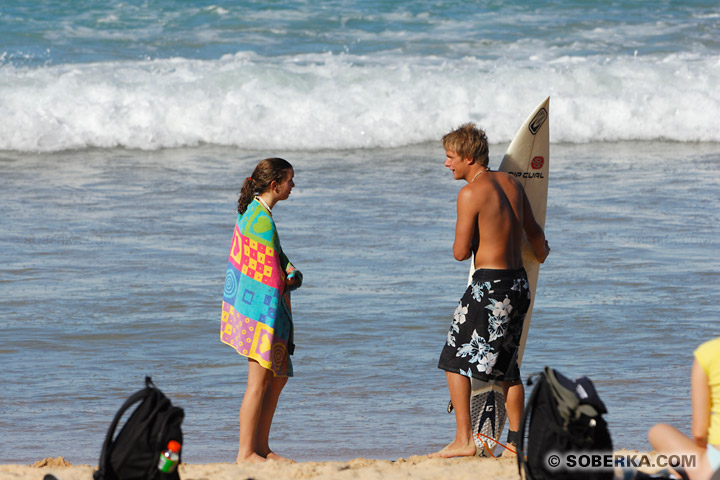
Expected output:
(534, 231)
(465, 226)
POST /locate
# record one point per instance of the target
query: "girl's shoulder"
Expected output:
(708, 353)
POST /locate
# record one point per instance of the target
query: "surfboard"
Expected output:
(528, 159)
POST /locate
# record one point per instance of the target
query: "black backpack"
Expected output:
(135, 453)
(563, 417)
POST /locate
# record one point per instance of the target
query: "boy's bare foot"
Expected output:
(277, 458)
(251, 458)
(456, 450)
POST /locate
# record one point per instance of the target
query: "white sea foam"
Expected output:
(344, 101)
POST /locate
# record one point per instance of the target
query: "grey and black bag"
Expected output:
(562, 416)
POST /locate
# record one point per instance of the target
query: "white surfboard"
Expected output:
(528, 159)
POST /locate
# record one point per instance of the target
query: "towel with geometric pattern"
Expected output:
(256, 321)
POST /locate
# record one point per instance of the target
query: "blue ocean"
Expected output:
(127, 128)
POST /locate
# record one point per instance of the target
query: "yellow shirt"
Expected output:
(708, 356)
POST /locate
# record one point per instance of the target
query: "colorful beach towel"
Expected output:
(256, 320)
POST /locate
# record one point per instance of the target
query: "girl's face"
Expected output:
(286, 185)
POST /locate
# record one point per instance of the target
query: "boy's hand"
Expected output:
(547, 252)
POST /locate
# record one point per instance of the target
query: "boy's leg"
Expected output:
(464, 444)
(514, 405)
(257, 384)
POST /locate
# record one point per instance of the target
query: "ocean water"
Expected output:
(127, 128)
(150, 75)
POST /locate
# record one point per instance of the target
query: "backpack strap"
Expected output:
(522, 463)
(173, 412)
(104, 454)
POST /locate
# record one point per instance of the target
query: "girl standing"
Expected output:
(256, 315)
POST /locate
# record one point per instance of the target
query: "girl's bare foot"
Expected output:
(277, 458)
(251, 458)
(456, 449)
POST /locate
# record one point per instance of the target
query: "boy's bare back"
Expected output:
(493, 211)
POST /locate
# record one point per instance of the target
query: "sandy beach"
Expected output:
(417, 467)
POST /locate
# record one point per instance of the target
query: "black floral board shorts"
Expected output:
(484, 336)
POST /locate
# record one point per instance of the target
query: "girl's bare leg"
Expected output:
(257, 384)
(272, 394)
(670, 441)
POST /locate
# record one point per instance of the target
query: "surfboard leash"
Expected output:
(487, 448)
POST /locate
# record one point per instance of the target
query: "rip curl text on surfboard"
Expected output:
(527, 174)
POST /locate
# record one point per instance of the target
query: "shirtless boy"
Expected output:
(484, 337)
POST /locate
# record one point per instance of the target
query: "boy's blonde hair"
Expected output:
(468, 141)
